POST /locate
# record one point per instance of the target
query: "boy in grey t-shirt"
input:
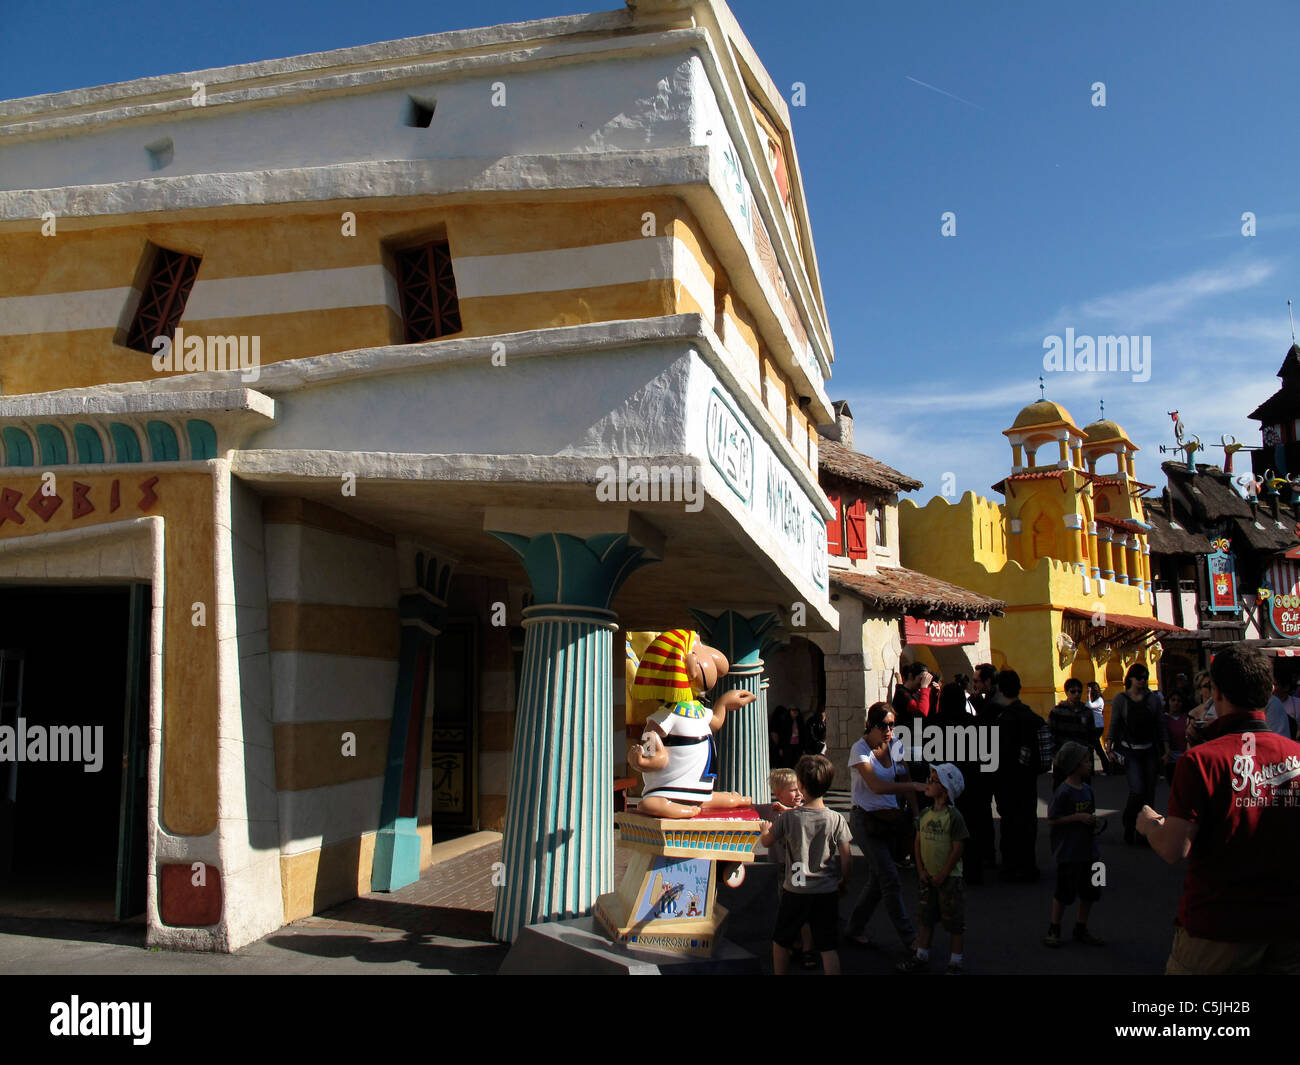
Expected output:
(817, 864)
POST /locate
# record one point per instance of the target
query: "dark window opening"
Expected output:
(419, 113)
(161, 152)
(428, 287)
(162, 298)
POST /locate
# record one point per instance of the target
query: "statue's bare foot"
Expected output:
(655, 806)
(728, 800)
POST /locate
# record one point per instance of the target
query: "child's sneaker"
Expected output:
(1082, 935)
(912, 965)
(1052, 939)
(955, 968)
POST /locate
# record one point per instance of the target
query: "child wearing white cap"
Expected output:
(940, 839)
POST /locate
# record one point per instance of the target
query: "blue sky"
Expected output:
(1120, 220)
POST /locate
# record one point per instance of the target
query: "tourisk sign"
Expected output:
(928, 632)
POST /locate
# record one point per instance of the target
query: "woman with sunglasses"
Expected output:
(1137, 734)
(879, 778)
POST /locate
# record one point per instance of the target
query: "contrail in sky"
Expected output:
(935, 88)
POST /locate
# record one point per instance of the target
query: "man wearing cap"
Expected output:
(1234, 814)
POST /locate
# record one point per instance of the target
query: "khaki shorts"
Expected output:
(1192, 955)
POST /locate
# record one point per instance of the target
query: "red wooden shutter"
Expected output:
(834, 528)
(856, 529)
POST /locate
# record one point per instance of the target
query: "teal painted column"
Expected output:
(743, 763)
(558, 848)
(422, 613)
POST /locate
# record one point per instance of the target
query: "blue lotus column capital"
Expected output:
(737, 636)
(571, 571)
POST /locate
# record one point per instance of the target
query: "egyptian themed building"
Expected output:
(351, 404)
(1067, 552)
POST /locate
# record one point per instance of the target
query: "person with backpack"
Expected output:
(1020, 753)
(1137, 736)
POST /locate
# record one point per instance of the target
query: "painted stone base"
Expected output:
(397, 856)
(578, 946)
(667, 901)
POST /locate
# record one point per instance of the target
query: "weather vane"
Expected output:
(1188, 446)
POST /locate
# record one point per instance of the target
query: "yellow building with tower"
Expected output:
(1067, 551)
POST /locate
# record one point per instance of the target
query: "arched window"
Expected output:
(89, 446)
(163, 446)
(126, 445)
(54, 448)
(18, 447)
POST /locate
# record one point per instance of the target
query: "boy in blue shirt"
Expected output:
(1072, 818)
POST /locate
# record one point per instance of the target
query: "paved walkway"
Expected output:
(442, 923)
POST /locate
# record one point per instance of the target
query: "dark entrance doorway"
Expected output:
(74, 685)
(453, 733)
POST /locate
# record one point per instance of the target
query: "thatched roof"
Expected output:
(1169, 534)
(1266, 533)
(1208, 494)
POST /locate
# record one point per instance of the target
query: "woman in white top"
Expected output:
(1096, 702)
(879, 778)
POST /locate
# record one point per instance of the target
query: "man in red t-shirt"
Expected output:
(1234, 813)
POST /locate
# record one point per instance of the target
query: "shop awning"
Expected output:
(1133, 622)
(894, 589)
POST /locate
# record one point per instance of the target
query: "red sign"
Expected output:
(933, 633)
(1283, 581)
(1223, 579)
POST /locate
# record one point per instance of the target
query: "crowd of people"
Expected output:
(1224, 742)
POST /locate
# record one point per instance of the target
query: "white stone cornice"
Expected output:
(368, 180)
(78, 403)
(302, 69)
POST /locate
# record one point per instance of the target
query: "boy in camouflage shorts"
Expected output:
(940, 839)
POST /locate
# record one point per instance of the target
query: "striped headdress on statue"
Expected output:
(662, 672)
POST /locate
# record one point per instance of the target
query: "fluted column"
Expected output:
(558, 846)
(743, 763)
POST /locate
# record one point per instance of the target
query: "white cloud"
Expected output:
(1263, 329)
(1131, 309)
